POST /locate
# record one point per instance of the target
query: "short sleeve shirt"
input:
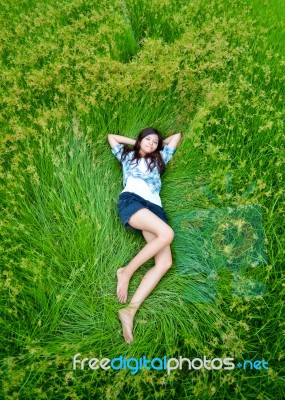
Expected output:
(152, 178)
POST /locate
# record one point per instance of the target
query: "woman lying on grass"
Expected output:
(140, 209)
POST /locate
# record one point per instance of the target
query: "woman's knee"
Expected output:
(167, 235)
(145, 220)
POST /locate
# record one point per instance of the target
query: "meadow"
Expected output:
(74, 71)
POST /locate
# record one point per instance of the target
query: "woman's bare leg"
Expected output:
(144, 220)
(163, 262)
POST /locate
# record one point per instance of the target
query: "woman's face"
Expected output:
(148, 144)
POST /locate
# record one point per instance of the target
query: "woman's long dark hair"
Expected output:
(153, 159)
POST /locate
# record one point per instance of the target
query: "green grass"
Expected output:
(72, 72)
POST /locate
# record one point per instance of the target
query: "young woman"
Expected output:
(140, 209)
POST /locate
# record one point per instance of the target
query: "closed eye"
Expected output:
(148, 139)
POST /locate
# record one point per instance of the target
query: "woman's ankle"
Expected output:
(123, 270)
(132, 309)
(127, 271)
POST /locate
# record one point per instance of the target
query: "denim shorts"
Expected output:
(130, 203)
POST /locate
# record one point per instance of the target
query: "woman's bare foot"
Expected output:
(127, 319)
(122, 285)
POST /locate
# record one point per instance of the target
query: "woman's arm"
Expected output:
(173, 140)
(114, 140)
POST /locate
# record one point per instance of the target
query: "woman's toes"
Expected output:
(127, 324)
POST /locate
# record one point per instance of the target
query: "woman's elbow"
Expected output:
(178, 138)
(110, 138)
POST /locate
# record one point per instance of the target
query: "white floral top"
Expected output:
(152, 178)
